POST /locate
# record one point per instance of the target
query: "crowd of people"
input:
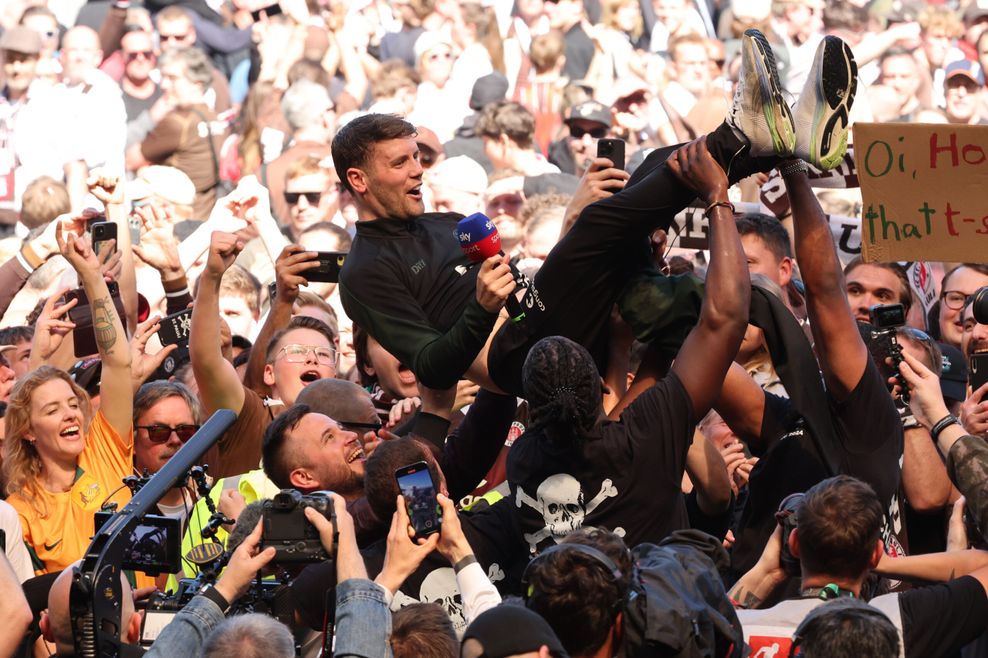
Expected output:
(646, 434)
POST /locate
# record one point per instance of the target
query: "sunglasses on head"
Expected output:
(161, 433)
(366, 427)
(597, 133)
(291, 198)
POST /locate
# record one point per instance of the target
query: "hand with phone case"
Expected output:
(600, 181)
(291, 270)
(142, 364)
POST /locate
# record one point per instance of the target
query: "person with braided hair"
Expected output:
(574, 467)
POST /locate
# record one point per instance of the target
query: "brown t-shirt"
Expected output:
(239, 450)
(274, 173)
(181, 140)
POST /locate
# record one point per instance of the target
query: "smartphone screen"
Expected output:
(416, 485)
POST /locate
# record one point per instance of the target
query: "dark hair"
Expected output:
(242, 358)
(329, 227)
(977, 267)
(562, 386)
(905, 291)
(152, 393)
(847, 628)
(838, 524)
(568, 585)
(354, 141)
(769, 229)
(507, 118)
(274, 452)
(298, 322)
(380, 486)
(423, 630)
(360, 356)
(16, 334)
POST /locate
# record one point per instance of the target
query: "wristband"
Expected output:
(720, 204)
(943, 424)
(211, 593)
(793, 167)
(464, 563)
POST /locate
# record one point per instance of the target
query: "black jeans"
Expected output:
(583, 275)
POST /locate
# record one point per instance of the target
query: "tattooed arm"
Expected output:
(757, 584)
(114, 350)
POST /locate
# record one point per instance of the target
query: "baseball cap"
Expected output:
(589, 111)
(976, 10)
(488, 89)
(953, 379)
(508, 630)
(168, 183)
(22, 40)
(965, 68)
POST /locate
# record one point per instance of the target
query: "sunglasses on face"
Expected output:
(597, 133)
(174, 37)
(291, 198)
(139, 54)
(161, 433)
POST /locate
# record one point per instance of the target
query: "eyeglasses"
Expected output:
(139, 54)
(174, 37)
(161, 433)
(955, 300)
(578, 132)
(291, 198)
(295, 353)
(353, 427)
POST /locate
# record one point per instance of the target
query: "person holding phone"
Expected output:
(62, 461)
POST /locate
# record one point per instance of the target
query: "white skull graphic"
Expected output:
(562, 505)
(440, 587)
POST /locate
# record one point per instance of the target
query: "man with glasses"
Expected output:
(176, 30)
(956, 287)
(140, 91)
(587, 122)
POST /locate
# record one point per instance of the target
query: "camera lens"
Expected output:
(979, 304)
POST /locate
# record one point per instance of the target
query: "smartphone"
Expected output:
(419, 490)
(102, 233)
(134, 226)
(613, 150)
(328, 271)
(84, 336)
(978, 371)
(271, 10)
(175, 328)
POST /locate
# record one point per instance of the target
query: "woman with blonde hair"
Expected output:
(61, 461)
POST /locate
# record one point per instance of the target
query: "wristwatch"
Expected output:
(213, 594)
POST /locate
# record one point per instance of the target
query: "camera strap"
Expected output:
(828, 592)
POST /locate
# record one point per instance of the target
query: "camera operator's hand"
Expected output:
(693, 165)
(289, 269)
(925, 396)
(344, 523)
(494, 283)
(404, 556)
(453, 543)
(246, 561)
(974, 412)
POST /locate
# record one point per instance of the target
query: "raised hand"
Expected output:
(51, 328)
(289, 271)
(76, 249)
(223, 251)
(403, 556)
(693, 165)
(244, 564)
(142, 364)
(105, 188)
(494, 283)
(159, 246)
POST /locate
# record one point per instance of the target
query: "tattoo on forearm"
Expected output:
(747, 599)
(106, 333)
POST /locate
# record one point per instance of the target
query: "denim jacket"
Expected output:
(363, 620)
(187, 631)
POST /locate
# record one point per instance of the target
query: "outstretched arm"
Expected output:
(711, 346)
(841, 352)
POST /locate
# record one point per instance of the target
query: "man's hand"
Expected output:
(142, 364)
(956, 530)
(344, 523)
(401, 411)
(693, 165)
(159, 247)
(494, 283)
(466, 393)
(231, 504)
(600, 181)
(244, 564)
(453, 543)
(733, 455)
(106, 188)
(77, 250)
(289, 269)
(51, 328)
(974, 412)
(925, 397)
(404, 556)
(223, 251)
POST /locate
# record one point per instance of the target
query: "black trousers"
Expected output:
(583, 275)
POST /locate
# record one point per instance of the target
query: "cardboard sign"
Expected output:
(923, 187)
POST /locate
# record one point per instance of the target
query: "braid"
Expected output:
(562, 386)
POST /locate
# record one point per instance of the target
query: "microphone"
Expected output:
(479, 240)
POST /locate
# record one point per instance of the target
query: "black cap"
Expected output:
(490, 88)
(953, 378)
(511, 629)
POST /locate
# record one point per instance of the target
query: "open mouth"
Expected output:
(405, 374)
(416, 192)
(310, 376)
(71, 432)
(358, 453)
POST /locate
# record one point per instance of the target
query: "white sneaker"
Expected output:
(759, 111)
(822, 109)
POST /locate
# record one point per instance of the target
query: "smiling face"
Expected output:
(868, 285)
(287, 377)
(58, 425)
(328, 456)
(390, 185)
(170, 412)
(965, 281)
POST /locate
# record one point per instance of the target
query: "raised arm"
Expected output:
(111, 339)
(841, 352)
(219, 385)
(109, 190)
(711, 346)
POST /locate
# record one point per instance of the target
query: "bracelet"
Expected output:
(210, 592)
(719, 204)
(943, 424)
(793, 167)
(464, 563)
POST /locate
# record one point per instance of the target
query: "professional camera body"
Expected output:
(287, 530)
(786, 517)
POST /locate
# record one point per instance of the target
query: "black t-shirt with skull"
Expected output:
(627, 477)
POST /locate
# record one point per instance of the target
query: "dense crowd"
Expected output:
(587, 272)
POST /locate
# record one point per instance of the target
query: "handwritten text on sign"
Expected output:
(925, 191)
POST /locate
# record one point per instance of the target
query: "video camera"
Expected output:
(886, 320)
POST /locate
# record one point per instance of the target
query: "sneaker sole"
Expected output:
(777, 114)
(836, 87)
